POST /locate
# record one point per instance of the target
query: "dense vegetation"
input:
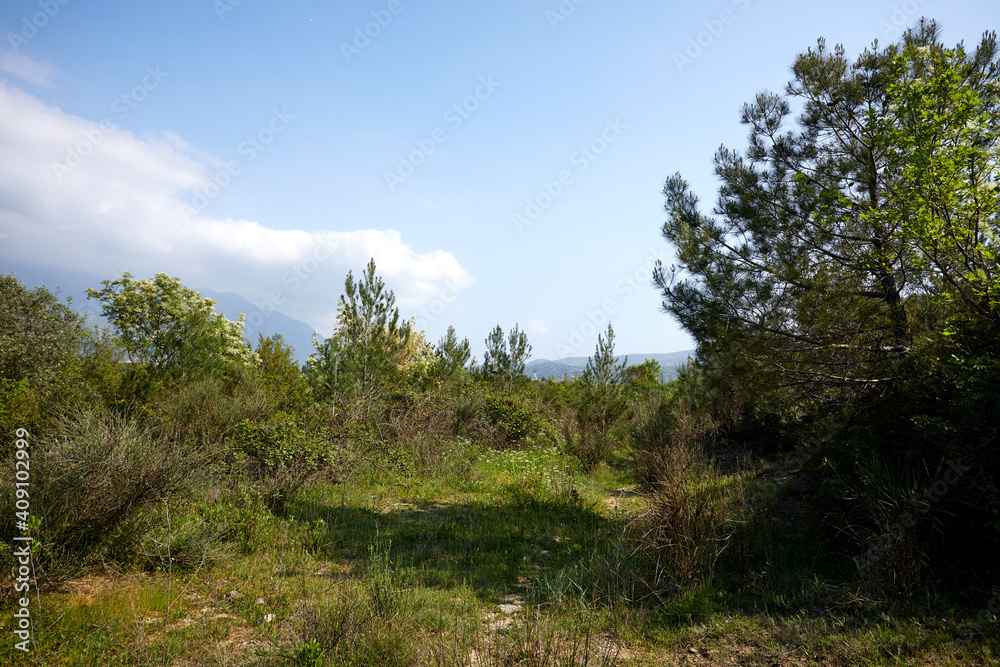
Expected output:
(819, 487)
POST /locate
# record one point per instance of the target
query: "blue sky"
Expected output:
(502, 162)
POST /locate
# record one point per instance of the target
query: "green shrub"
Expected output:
(93, 485)
(279, 442)
(515, 418)
(205, 411)
(285, 383)
(184, 538)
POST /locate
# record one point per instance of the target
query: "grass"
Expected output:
(511, 558)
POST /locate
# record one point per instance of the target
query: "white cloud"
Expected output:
(537, 326)
(121, 207)
(26, 69)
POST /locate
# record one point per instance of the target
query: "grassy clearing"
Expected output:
(504, 558)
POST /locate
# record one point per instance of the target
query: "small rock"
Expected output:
(261, 601)
(268, 618)
(233, 595)
(509, 608)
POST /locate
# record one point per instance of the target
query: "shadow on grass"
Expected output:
(489, 546)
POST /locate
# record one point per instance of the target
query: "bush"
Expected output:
(286, 385)
(205, 411)
(515, 418)
(93, 484)
(280, 442)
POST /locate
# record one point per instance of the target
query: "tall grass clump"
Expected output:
(691, 509)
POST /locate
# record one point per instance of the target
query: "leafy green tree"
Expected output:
(645, 378)
(941, 138)
(361, 360)
(40, 337)
(504, 358)
(171, 330)
(812, 274)
(286, 385)
(41, 340)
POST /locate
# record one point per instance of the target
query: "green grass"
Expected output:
(404, 568)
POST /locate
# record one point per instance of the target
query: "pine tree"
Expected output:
(810, 274)
(360, 361)
(505, 358)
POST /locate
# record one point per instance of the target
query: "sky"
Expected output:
(501, 162)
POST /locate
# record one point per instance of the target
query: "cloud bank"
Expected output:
(90, 196)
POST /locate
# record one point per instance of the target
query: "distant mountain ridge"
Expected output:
(573, 367)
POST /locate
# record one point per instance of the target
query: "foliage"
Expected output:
(417, 359)
(285, 384)
(816, 265)
(454, 357)
(40, 337)
(692, 510)
(279, 441)
(40, 343)
(645, 378)
(504, 358)
(94, 481)
(940, 130)
(362, 359)
(205, 411)
(514, 416)
(602, 404)
(850, 272)
(171, 330)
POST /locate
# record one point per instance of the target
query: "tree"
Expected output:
(362, 358)
(171, 330)
(603, 382)
(942, 140)
(287, 388)
(453, 355)
(504, 358)
(812, 273)
(41, 341)
(40, 337)
(602, 369)
(645, 378)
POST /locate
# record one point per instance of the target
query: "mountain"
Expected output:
(296, 333)
(70, 283)
(573, 367)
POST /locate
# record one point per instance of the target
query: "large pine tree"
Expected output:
(830, 245)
